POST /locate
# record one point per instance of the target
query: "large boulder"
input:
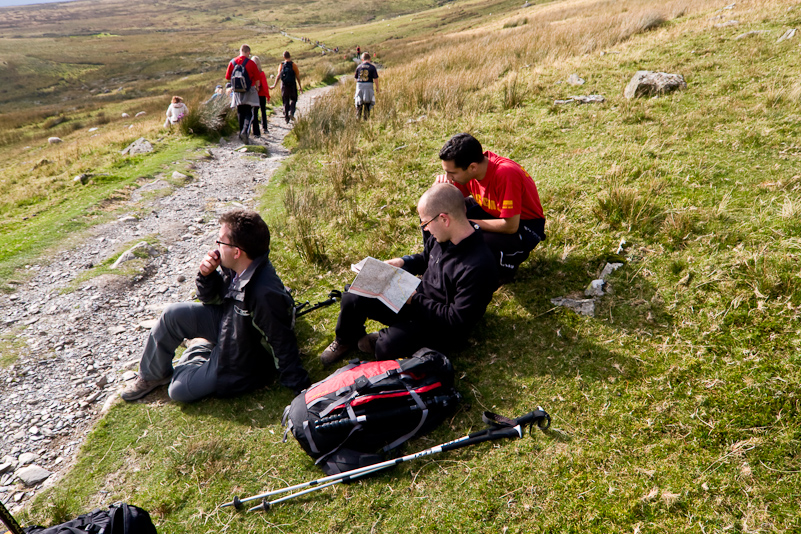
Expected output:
(140, 146)
(647, 83)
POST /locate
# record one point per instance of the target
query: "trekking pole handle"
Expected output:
(538, 416)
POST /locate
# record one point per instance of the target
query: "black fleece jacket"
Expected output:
(457, 283)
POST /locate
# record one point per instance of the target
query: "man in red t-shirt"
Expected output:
(245, 102)
(502, 200)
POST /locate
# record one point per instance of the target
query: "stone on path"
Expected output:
(140, 146)
(26, 457)
(32, 475)
(647, 83)
(130, 254)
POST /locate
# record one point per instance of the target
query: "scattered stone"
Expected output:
(609, 268)
(574, 79)
(26, 457)
(147, 325)
(580, 306)
(93, 129)
(102, 382)
(140, 146)
(727, 24)
(789, 34)
(125, 115)
(54, 140)
(142, 248)
(647, 83)
(81, 178)
(181, 279)
(6, 466)
(588, 99)
(141, 113)
(128, 218)
(179, 176)
(749, 34)
(114, 330)
(128, 375)
(32, 475)
(595, 289)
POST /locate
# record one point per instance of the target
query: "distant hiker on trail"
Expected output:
(264, 97)
(459, 277)
(366, 87)
(176, 111)
(502, 200)
(244, 318)
(244, 77)
(358, 51)
(289, 76)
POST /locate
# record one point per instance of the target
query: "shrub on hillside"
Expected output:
(211, 117)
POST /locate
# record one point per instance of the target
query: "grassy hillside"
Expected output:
(678, 401)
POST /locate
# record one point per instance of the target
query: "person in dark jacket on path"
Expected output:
(244, 322)
(459, 276)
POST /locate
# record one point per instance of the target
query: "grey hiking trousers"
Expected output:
(195, 374)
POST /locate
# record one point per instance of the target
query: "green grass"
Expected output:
(680, 398)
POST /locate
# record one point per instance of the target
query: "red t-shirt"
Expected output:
(506, 190)
(250, 67)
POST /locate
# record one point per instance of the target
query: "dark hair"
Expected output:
(462, 149)
(248, 231)
(286, 54)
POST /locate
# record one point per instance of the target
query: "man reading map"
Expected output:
(459, 276)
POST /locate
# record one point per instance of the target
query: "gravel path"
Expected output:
(77, 347)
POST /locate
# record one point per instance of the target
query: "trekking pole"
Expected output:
(9, 521)
(333, 296)
(500, 427)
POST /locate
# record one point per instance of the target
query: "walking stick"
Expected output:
(500, 428)
(9, 521)
(333, 296)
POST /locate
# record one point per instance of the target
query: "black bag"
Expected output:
(120, 518)
(365, 409)
(287, 75)
(240, 79)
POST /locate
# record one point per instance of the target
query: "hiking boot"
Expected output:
(367, 343)
(335, 352)
(141, 387)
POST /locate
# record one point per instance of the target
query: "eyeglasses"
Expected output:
(229, 244)
(424, 224)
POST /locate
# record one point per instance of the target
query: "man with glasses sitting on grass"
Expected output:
(459, 276)
(244, 322)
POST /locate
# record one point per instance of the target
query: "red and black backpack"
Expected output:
(366, 409)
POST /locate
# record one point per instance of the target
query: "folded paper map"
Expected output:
(382, 281)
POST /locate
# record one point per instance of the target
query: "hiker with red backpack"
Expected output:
(244, 77)
(289, 76)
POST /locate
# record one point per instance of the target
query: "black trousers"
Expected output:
(405, 334)
(509, 249)
(289, 95)
(244, 113)
(263, 106)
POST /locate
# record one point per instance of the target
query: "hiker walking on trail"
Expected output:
(264, 97)
(245, 320)
(366, 87)
(459, 276)
(289, 76)
(244, 77)
(502, 200)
